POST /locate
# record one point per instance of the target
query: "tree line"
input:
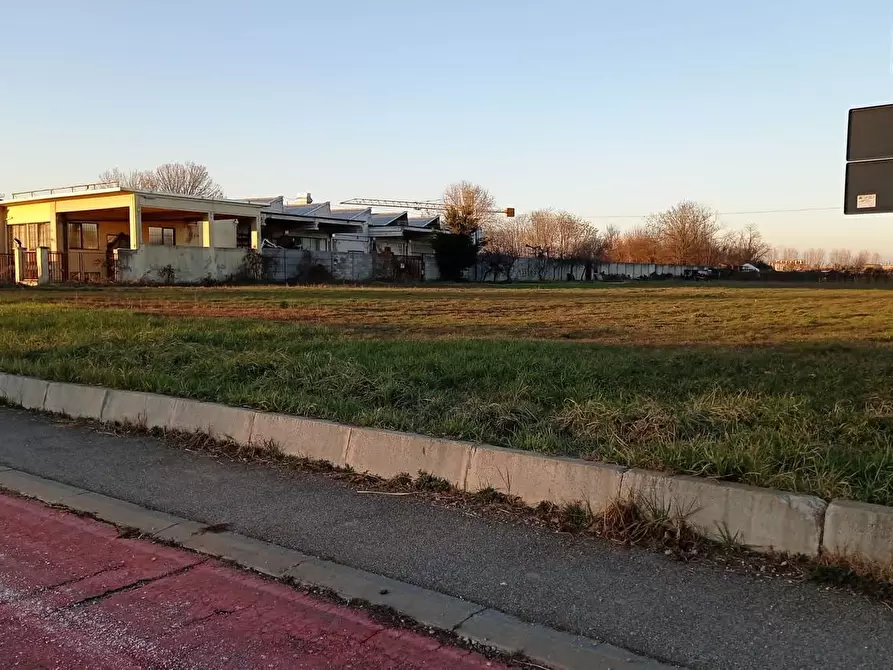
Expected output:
(844, 260)
(687, 233)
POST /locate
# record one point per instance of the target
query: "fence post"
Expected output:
(43, 266)
(19, 263)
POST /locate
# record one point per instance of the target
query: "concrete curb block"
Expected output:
(74, 400)
(506, 633)
(307, 438)
(144, 409)
(388, 453)
(855, 528)
(218, 421)
(471, 621)
(45, 490)
(760, 518)
(536, 478)
(25, 391)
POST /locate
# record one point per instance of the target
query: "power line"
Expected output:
(753, 212)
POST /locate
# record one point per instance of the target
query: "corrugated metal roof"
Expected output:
(316, 209)
(351, 214)
(432, 222)
(389, 219)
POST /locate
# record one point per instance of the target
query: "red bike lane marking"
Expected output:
(74, 594)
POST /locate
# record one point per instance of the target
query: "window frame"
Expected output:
(78, 240)
(162, 234)
(32, 235)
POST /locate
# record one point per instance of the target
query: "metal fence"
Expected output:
(7, 269)
(86, 267)
(30, 270)
(388, 267)
(56, 267)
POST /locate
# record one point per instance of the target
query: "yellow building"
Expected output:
(83, 225)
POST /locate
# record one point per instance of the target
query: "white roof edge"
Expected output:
(60, 196)
(119, 189)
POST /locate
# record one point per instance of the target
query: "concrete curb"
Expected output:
(762, 519)
(468, 620)
(859, 529)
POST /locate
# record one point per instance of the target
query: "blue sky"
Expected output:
(601, 108)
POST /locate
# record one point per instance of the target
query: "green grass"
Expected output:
(805, 408)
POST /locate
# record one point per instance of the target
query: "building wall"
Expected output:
(49, 211)
(432, 271)
(295, 264)
(225, 234)
(419, 247)
(187, 265)
(348, 242)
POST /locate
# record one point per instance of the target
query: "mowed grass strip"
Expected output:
(810, 417)
(635, 313)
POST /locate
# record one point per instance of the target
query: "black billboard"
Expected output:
(870, 133)
(869, 187)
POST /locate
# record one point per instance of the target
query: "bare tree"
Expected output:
(553, 238)
(504, 244)
(860, 260)
(738, 247)
(751, 244)
(841, 259)
(641, 244)
(469, 208)
(177, 178)
(814, 258)
(688, 233)
(790, 254)
(612, 240)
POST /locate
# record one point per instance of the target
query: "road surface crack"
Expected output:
(475, 613)
(378, 632)
(66, 582)
(219, 612)
(92, 600)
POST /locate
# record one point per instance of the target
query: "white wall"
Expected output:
(225, 234)
(347, 242)
(189, 264)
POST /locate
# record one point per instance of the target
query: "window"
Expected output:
(163, 236)
(31, 235)
(83, 236)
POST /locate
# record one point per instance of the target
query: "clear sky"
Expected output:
(601, 108)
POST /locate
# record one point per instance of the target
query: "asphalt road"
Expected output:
(690, 614)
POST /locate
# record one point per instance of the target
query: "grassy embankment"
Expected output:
(790, 388)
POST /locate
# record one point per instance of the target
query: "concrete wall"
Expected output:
(189, 264)
(290, 264)
(533, 269)
(641, 269)
(348, 242)
(432, 271)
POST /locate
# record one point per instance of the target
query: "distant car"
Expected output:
(703, 274)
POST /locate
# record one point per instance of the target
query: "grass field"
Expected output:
(783, 387)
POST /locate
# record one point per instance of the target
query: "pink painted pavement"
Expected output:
(74, 595)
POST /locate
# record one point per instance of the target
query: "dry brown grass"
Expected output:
(639, 314)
